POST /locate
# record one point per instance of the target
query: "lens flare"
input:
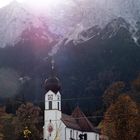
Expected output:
(39, 4)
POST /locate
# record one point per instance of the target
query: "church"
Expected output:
(59, 126)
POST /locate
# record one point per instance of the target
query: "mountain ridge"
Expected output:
(17, 17)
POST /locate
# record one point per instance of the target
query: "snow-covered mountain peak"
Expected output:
(14, 20)
(118, 23)
(71, 19)
(112, 28)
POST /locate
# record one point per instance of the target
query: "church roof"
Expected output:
(70, 122)
(78, 121)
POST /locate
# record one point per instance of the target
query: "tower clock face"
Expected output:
(50, 97)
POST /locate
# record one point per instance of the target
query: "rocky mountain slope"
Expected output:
(65, 19)
(18, 24)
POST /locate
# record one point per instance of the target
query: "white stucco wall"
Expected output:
(56, 98)
(52, 117)
(68, 133)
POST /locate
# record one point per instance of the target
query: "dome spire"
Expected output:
(52, 83)
(52, 63)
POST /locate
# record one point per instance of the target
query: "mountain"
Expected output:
(65, 19)
(81, 35)
(18, 24)
(92, 49)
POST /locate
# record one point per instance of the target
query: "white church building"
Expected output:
(59, 126)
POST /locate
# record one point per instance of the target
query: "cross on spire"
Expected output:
(52, 64)
(53, 67)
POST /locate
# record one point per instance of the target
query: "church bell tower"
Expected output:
(52, 113)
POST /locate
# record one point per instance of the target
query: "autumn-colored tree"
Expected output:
(113, 92)
(135, 94)
(136, 83)
(121, 120)
(2, 113)
(6, 127)
(135, 89)
(138, 124)
(28, 116)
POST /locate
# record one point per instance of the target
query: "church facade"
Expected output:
(59, 126)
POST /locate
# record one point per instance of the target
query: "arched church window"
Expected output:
(70, 133)
(96, 137)
(58, 97)
(58, 106)
(76, 135)
(50, 105)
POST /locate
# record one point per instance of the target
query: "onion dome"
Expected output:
(52, 84)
